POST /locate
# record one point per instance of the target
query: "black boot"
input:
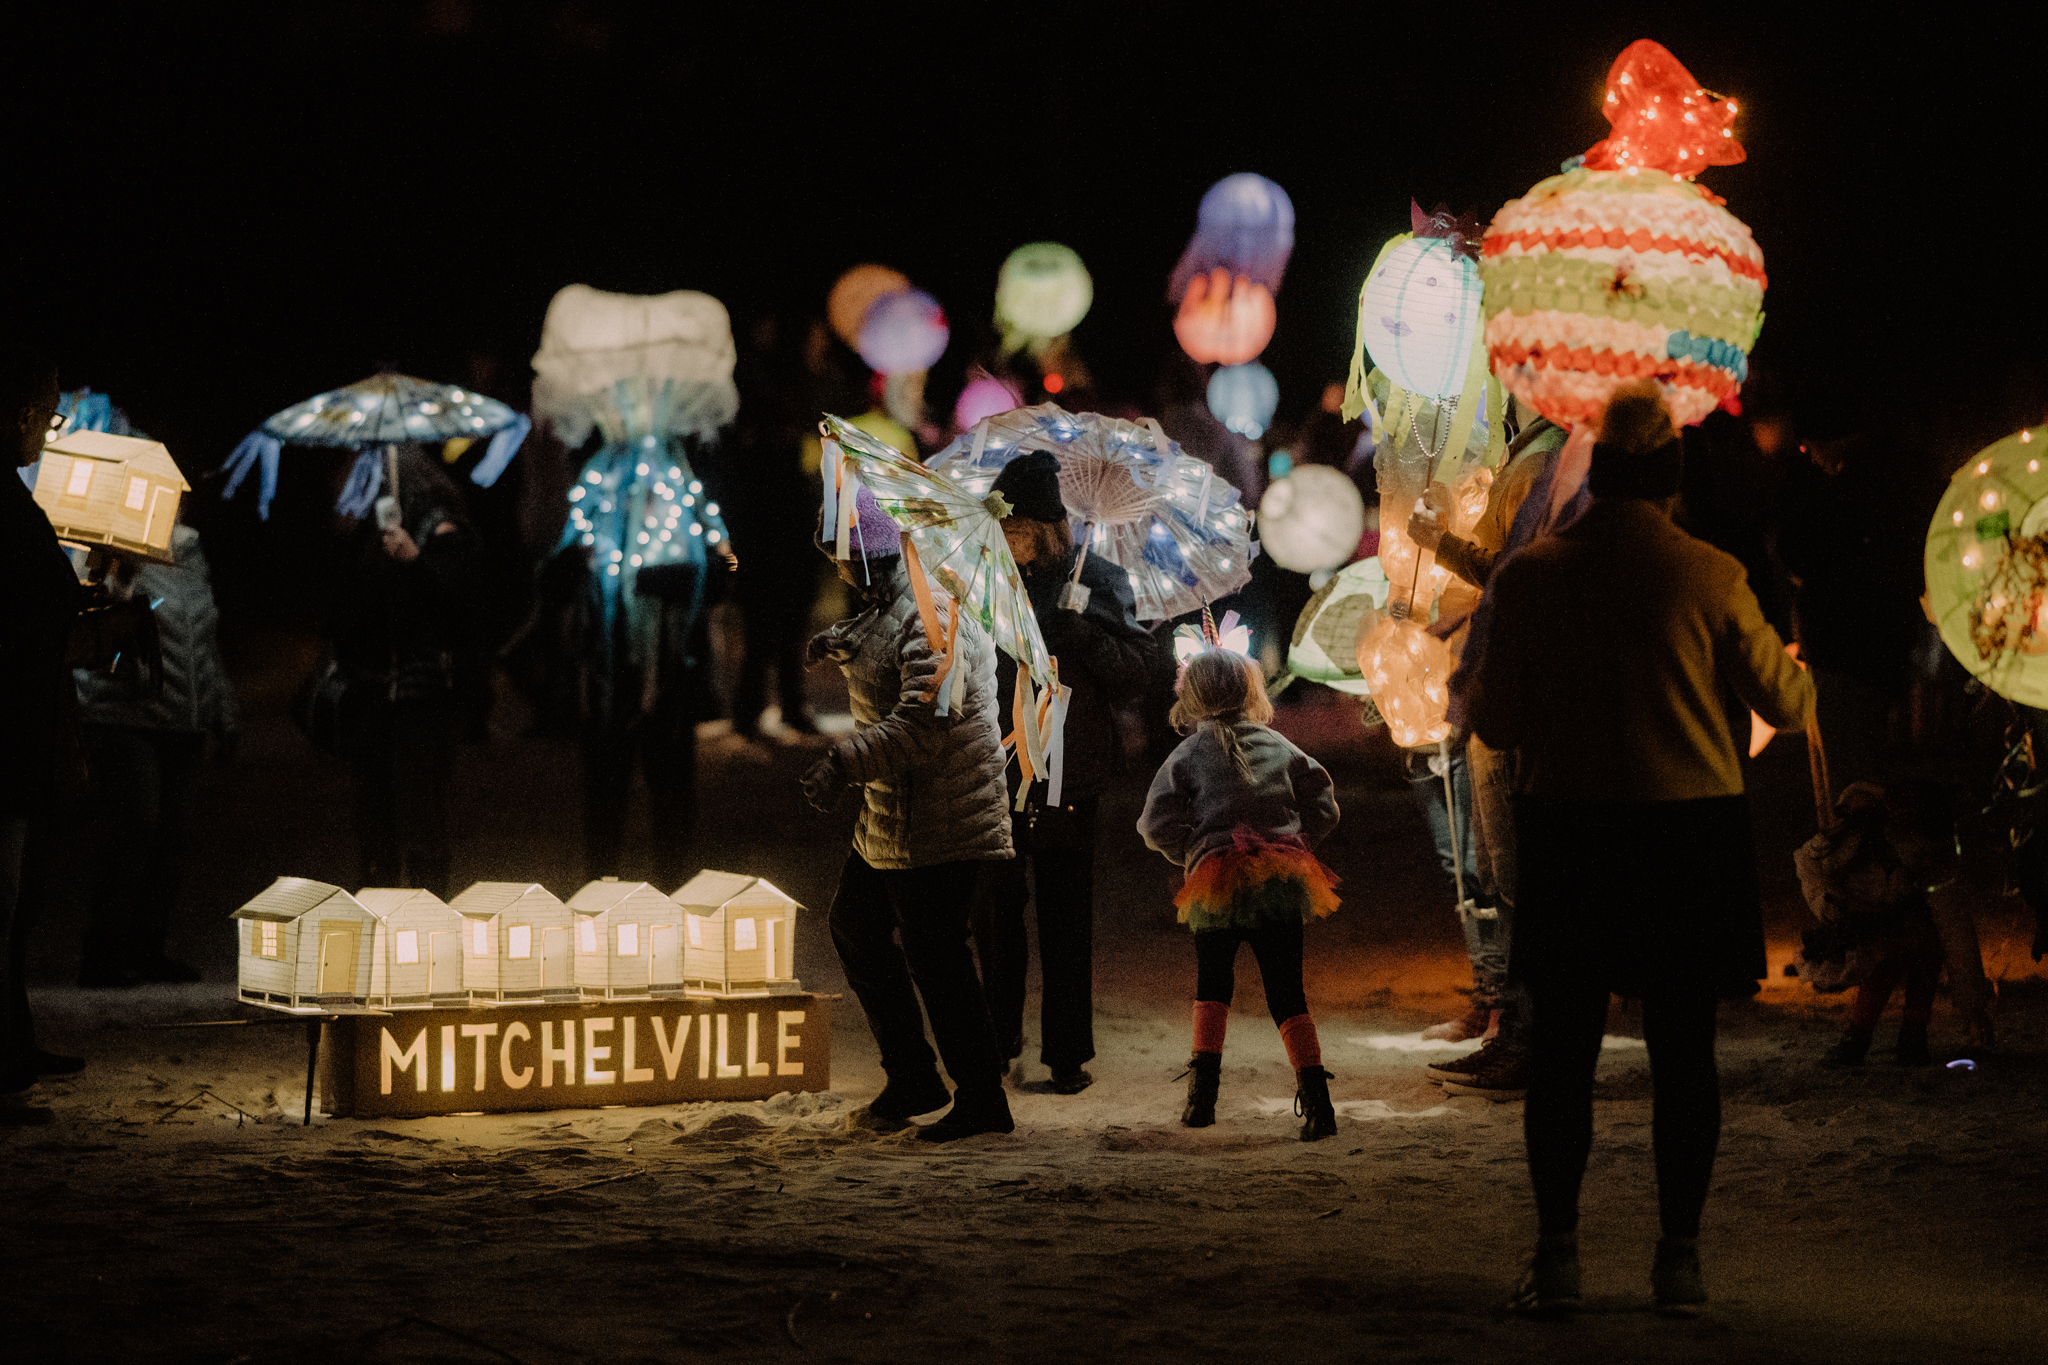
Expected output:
(1204, 1073)
(1312, 1103)
(1912, 1047)
(971, 1115)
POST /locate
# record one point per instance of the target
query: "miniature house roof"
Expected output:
(381, 901)
(490, 899)
(599, 896)
(145, 457)
(711, 890)
(288, 898)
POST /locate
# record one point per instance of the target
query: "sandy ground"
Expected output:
(175, 1210)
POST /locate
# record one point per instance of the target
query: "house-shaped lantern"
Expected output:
(419, 947)
(739, 935)
(306, 945)
(628, 939)
(526, 932)
(118, 491)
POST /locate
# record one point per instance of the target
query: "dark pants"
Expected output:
(1278, 950)
(1567, 1021)
(1062, 892)
(664, 748)
(777, 614)
(928, 908)
(24, 868)
(142, 784)
(402, 769)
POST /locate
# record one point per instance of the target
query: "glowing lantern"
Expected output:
(1224, 319)
(117, 491)
(416, 956)
(648, 362)
(1987, 568)
(1042, 291)
(1419, 308)
(1246, 227)
(1409, 671)
(524, 936)
(1243, 397)
(902, 332)
(628, 940)
(739, 935)
(985, 396)
(1325, 644)
(305, 945)
(1311, 519)
(1622, 268)
(846, 307)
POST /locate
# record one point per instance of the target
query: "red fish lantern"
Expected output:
(1224, 319)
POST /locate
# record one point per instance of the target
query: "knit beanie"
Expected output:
(1638, 454)
(874, 534)
(1031, 483)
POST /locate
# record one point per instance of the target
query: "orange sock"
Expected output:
(1212, 1017)
(1303, 1048)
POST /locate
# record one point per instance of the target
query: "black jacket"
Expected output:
(39, 597)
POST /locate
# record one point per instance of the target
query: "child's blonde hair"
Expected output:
(1225, 687)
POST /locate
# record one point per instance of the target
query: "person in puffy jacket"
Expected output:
(145, 742)
(933, 811)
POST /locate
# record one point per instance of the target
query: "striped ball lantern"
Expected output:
(1621, 267)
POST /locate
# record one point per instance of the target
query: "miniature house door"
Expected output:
(667, 963)
(444, 964)
(338, 941)
(557, 963)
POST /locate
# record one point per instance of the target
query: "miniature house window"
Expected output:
(519, 942)
(479, 938)
(743, 935)
(138, 492)
(408, 946)
(629, 940)
(266, 945)
(81, 479)
(695, 924)
(586, 935)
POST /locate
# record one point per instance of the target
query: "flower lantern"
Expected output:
(1043, 291)
(1419, 309)
(1245, 226)
(1224, 319)
(902, 332)
(1311, 519)
(1408, 670)
(1621, 267)
(1243, 397)
(846, 307)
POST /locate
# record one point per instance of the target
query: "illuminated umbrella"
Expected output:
(1987, 567)
(373, 416)
(1156, 512)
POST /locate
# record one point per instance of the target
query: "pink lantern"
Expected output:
(1224, 320)
(903, 331)
(984, 396)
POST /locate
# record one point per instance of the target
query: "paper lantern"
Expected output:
(416, 956)
(984, 396)
(846, 307)
(1311, 519)
(518, 942)
(660, 363)
(1245, 226)
(1042, 291)
(1419, 311)
(902, 332)
(305, 946)
(118, 491)
(739, 935)
(1408, 671)
(1622, 268)
(1224, 319)
(1324, 648)
(628, 940)
(1243, 397)
(1987, 567)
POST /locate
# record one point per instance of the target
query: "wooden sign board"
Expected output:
(502, 1058)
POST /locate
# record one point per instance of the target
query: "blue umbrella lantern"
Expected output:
(373, 417)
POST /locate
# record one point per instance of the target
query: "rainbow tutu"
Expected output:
(1255, 882)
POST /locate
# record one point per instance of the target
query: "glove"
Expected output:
(817, 646)
(824, 784)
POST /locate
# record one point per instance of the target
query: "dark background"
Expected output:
(233, 207)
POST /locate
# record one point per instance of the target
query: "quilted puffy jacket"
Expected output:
(932, 785)
(195, 694)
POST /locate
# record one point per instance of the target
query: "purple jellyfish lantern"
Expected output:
(902, 331)
(984, 396)
(1245, 225)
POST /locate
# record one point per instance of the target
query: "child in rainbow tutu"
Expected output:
(1239, 807)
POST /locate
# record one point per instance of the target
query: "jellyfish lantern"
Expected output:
(903, 331)
(1243, 398)
(1043, 291)
(1245, 226)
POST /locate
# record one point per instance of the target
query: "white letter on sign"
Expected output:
(671, 1054)
(481, 1032)
(636, 1074)
(447, 1058)
(523, 1077)
(726, 1070)
(785, 1040)
(593, 1054)
(413, 1058)
(755, 1066)
(549, 1056)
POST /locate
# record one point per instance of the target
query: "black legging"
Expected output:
(1567, 1021)
(1278, 949)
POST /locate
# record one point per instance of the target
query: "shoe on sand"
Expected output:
(1675, 1280)
(969, 1117)
(1070, 1080)
(1551, 1286)
(1460, 1067)
(902, 1100)
(1504, 1077)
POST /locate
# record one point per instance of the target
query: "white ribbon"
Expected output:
(1055, 745)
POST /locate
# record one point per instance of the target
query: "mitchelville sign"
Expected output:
(566, 1056)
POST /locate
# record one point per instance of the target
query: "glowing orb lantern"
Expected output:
(1224, 319)
(984, 396)
(1987, 567)
(903, 331)
(1243, 397)
(1042, 291)
(846, 307)
(1419, 309)
(1311, 519)
(1245, 226)
(1621, 267)
(1409, 671)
